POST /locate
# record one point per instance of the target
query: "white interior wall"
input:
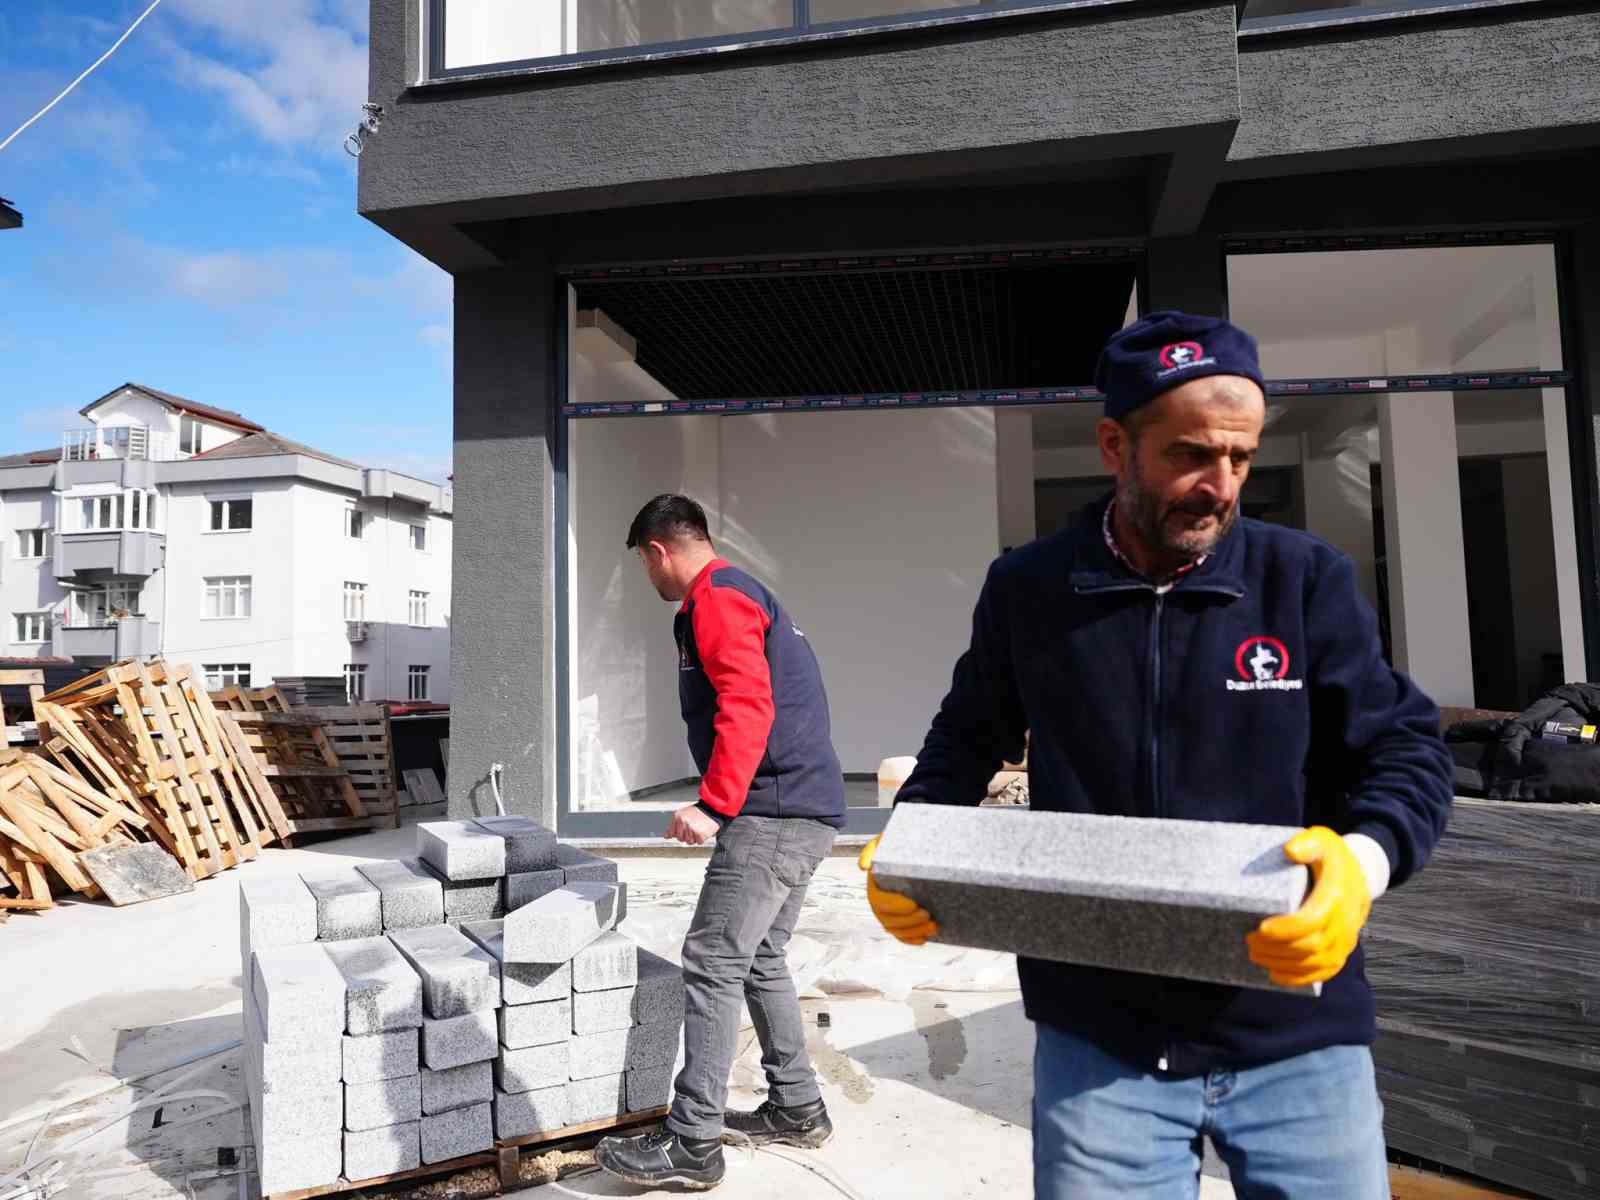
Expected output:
(1014, 476)
(1532, 563)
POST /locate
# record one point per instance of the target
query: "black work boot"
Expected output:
(662, 1157)
(806, 1125)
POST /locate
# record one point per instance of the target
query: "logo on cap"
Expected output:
(1181, 354)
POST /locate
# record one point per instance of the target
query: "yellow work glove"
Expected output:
(1312, 944)
(900, 915)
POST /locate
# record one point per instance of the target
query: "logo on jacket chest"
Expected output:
(1261, 664)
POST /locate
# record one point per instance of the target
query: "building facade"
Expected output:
(166, 527)
(840, 268)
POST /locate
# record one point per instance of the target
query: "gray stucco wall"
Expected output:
(500, 643)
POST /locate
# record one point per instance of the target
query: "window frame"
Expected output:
(415, 673)
(223, 507)
(418, 530)
(355, 590)
(38, 533)
(355, 516)
(417, 608)
(355, 682)
(196, 443)
(240, 587)
(221, 675)
(46, 627)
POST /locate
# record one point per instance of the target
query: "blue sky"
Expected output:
(189, 223)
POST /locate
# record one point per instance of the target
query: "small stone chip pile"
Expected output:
(402, 1013)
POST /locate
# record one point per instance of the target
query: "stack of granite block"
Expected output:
(407, 1013)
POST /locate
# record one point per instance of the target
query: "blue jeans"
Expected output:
(1307, 1128)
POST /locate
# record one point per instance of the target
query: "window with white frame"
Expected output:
(354, 522)
(221, 675)
(355, 601)
(226, 597)
(33, 627)
(418, 608)
(189, 435)
(419, 537)
(33, 543)
(355, 681)
(102, 605)
(416, 682)
(115, 510)
(231, 513)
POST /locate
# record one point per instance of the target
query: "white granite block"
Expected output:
(596, 1099)
(375, 1056)
(529, 845)
(275, 911)
(602, 1012)
(298, 992)
(386, 1102)
(521, 983)
(457, 1087)
(598, 1054)
(412, 896)
(519, 1114)
(453, 1041)
(457, 1132)
(524, 1025)
(291, 1064)
(611, 961)
(382, 990)
(1162, 897)
(347, 905)
(532, 1067)
(371, 1153)
(287, 1164)
(461, 850)
(555, 927)
(458, 975)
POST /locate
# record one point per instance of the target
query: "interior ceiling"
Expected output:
(935, 329)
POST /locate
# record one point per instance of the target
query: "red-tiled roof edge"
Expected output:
(221, 416)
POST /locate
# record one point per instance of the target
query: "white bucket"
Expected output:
(892, 774)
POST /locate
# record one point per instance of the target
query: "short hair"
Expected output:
(668, 517)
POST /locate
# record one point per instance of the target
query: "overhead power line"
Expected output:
(81, 78)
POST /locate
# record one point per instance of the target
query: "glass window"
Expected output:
(353, 521)
(418, 608)
(226, 596)
(32, 543)
(416, 683)
(419, 537)
(189, 436)
(355, 601)
(860, 10)
(355, 681)
(33, 627)
(229, 515)
(221, 675)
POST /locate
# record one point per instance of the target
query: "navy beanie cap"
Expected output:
(1162, 350)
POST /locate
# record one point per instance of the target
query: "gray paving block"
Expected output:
(461, 850)
(1162, 897)
(528, 886)
(596, 1054)
(653, 1045)
(298, 1112)
(555, 927)
(460, 1131)
(289, 1064)
(523, 1025)
(287, 1164)
(529, 845)
(596, 1099)
(602, 1012)
(275, 911)
(376, 1056)
(532, 1067)
(298, 992)
(469, 899)
(518, 1114)
(521, 983)
(412, 895)
(659, 996)
(579, 866)
(457, 1087)
(386, 1102)
(371, 1153)
(453, 1041)
(382, 990)
(347, 905)
(458, 975)
(609, 962)
(649, 1087)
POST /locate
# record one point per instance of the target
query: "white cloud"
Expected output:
(435, 335)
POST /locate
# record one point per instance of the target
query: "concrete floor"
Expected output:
(924, 1059)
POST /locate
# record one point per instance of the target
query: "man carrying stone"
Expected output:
(772, 796)
(1169, 659)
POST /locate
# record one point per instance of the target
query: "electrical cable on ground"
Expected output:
(64, 91)
(822, 1171)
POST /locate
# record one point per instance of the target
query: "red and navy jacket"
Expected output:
(753, 700)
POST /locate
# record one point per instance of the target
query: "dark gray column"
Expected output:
(1186, 273)
(1580, 303)
(501, 702)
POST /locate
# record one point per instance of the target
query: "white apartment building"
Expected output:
(167, 527)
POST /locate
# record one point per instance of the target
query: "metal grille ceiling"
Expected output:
(963, 328)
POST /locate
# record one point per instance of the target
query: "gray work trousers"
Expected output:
(755, 884)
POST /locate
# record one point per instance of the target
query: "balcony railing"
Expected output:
(117, 442)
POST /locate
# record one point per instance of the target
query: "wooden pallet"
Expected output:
(360, 736)
(504, 1159)
(295, 756)
(242, 699)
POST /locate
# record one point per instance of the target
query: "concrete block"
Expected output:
(518, 1114)
(370, 1153)
(287, 1164)
(347, 905)
(450, 1135)
(457, 1087)
(458, 975)
(525, 1025)
(386, 1102)
(654, 1045)
(461, 850)
(529, 845)
(602, 1012)
(659, 996)
(521, 983)
(291, 1063)
(469, 899)
(528, 886)
(609, 962)
(298, 1112)
(596, 1099)
(460, 1131)
(298, 992)
(452, 1041)
(555, 927)
(276, 911)
(382, 990)
(649, 1087)
(531, 1068)
(579, 866)
(596, 1054)
(1156, 896)
(391, 1055)
(412, 895)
